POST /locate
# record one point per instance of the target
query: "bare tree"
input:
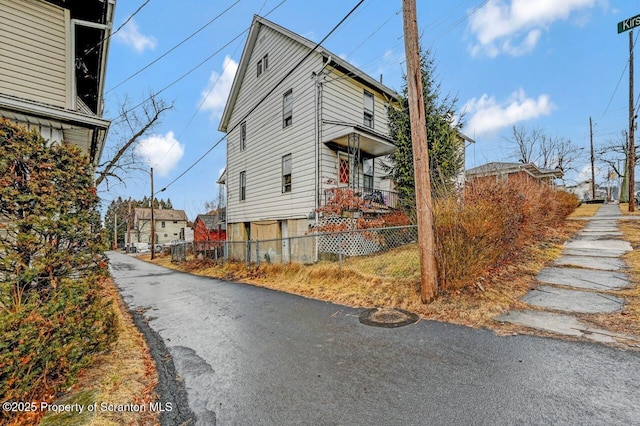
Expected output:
(525, 143)
(614, 153)
(219, 203)
(131, 125)
(534, 146)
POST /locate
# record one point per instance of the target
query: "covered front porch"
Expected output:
(355, 173)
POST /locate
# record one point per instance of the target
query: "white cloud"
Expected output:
(514, 27)
(488, 116)
(585, 173)
(214, 97)
(130, 35)
(161, 152)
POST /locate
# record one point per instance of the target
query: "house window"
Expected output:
(262, 65)
(243, 136)
(286, 173)
(367, 171)
(287, 109)
(162, 224)
(243, 186)
(368, 109)
(343, 172)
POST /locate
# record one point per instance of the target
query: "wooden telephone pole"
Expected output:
(153, 231)
(428, 271)
(593, 169)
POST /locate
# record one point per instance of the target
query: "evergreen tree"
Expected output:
(446, 148)
(50, 227)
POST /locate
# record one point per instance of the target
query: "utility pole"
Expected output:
(153, 231)
(428, 271)
(632, 143)
(115, 231)
(593, 171)
(129, 227)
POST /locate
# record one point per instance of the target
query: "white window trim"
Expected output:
(287, 114)
(285, 174)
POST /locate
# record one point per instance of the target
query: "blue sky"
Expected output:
(534, 63)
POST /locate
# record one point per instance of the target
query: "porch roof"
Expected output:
(372, 143)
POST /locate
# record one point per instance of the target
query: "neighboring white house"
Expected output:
(583, 191)
(53, 58)
(168, 225)
(293, 137)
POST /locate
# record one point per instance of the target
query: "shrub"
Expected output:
(492, 221)
(51, 313)
(45, 343)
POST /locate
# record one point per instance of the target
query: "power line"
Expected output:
(434, 25)
(174, 47)
(101, 42)
(273, 89)
(619, 80)
(124, 113)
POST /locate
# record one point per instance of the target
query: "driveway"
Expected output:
(252, 356)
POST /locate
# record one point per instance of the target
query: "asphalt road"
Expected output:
(252, 356)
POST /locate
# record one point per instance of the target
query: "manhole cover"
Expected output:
(388, 318)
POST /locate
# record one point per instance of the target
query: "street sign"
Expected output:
(629, 24)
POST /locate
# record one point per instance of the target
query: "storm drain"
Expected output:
(387, 317)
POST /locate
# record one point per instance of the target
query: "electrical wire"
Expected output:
(619, 80)
(174, 47)
(183, 76)
(273, 89)
(101, 42)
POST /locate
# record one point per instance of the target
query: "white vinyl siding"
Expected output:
(342, 101)
(269, 141)
(34, 51)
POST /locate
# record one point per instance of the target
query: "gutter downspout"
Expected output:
(318, 137)
(318, 125)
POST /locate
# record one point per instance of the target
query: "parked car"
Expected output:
(173, 243)
(142, 247)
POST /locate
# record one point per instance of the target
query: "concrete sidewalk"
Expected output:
(583, 280)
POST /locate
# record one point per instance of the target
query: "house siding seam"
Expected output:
(33, 51)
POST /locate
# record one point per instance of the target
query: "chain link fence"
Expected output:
(390, 252)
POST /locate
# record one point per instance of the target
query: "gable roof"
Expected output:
(160, 214)
(496, 168)
(210, 221)
(336, 62)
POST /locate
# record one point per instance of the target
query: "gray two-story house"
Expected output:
(297, 134)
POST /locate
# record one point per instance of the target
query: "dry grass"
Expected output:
(363, 283)
(585, 210)
(628, 320)
(624, 209)
(125, 375)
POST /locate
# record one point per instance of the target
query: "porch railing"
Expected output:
(375, 199)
